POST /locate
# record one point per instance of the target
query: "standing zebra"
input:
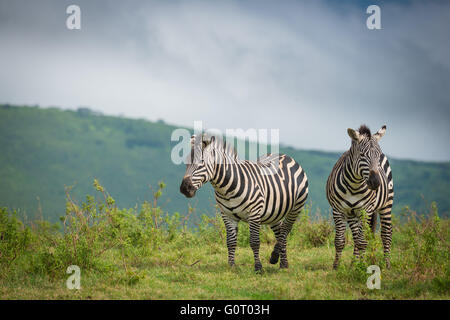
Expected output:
(264, 192)
(361, 180)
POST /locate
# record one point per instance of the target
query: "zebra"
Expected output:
(361, 180)
(271, 190)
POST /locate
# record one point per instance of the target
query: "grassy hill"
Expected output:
(41, 150)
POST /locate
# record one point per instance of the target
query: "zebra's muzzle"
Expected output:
(373, 182)
(187, 188)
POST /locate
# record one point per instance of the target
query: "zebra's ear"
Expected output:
(380, 133)
(354, 135)
(207, 140)
(192, 140)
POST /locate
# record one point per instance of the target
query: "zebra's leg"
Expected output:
(286, 228)
(386, 233)
(355, 253)
(276, 228)
(353, 224)
(255, 225)
(339, 239)
(373, 222)
(231, 227)
(360, 243)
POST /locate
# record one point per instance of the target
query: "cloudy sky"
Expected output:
(309, 68)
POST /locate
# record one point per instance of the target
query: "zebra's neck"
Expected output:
(350, 166)
(224, 170)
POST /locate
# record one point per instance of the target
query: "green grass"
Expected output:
(169, 274)
(147, 254)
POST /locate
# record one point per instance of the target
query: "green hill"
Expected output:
(41, 150)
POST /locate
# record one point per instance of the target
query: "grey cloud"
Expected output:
(300, 67)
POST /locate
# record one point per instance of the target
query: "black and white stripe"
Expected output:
(269, 191)
(361, 180)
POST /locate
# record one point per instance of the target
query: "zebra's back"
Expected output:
(268, 187)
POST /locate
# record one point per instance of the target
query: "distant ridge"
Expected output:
(44, 149)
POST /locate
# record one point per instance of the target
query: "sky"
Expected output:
(311, 69)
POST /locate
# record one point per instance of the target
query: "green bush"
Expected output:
(14, 238)
(427, 240)
(313, 233)
(89, 230)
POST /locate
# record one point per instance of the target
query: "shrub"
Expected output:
(314, 233)
(211, 229)
(95, 227)
(14, 238)
(374, 254)
(428, 242)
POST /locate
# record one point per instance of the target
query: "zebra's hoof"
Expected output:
(388, 264)
(258, 268)
(284, 265)
(274, 257)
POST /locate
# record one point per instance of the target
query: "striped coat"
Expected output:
(272, 191)
(361, 180)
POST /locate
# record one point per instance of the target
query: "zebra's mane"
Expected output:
(222, 145)
(363, 129)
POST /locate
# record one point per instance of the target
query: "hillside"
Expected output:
(44, 149)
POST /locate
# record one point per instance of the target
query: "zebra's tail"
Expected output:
(373, 222)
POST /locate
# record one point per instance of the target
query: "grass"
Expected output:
(131, 258)
(172, 274)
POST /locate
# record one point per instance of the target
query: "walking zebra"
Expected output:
(269, 191)
(361, 180)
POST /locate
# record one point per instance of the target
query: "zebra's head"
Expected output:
(198, 164)
(366, 154)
